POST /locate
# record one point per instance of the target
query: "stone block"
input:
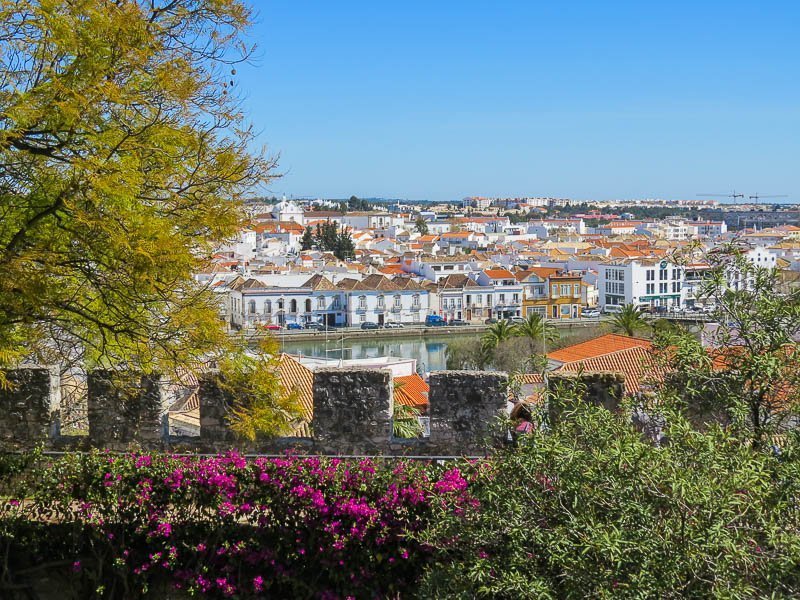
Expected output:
(353, 410)
(126, 408)
(598, 389)
(464, 409)
(215, 404)
(29, 407)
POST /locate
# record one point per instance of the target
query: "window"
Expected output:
(267, 307)
(488, 299)
(251, 307)
(662, 288)
(381, 302)
(662, 275)
(555, 291)
(308, 305)
(397, 301)
(362, 302)
(651, 274)
(469, 300)
(565, 308)
(515, 298)
(576, 289)
(293, 306)
(651, 288)
(362, 318)
(565, 287)
(676, 273)
(502, 298)
(415, 301)
(676, 286)
(280, 304)
(615, 274)
(337, 303)
(321, 303)
(555, 312)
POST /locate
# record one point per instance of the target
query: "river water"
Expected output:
(429, 352)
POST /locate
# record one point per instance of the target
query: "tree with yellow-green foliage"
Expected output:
(123, 160)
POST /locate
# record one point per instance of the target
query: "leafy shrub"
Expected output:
(225, 526)
(591, 509)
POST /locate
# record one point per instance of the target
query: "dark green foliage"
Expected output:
(593, 510)
(307, 241)
(330, 238)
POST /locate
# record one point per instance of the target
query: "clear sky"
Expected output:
(443, 99)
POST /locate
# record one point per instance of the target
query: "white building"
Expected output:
(257, 302)
(287, 211)
(505, 301)
(433, 268)
(707, 229)
(642, 282)
(378, 299)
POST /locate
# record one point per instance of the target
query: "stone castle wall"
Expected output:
(352, 414)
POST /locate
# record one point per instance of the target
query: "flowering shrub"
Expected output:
(226, 526)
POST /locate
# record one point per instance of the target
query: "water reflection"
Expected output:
(430, 354)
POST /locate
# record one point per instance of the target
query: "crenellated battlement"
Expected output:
(353, 411)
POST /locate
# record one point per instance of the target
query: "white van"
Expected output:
(610, 309)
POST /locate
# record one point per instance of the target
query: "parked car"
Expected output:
(490, 321)
(294, 326)
(370, 325)
(458, 323)
(393, 326)
(612, 308)
(314, 325)
(590, 313)
(434, 321)
(517, 320)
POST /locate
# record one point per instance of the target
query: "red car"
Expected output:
(270, 327)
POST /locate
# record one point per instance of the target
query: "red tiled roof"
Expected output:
(600, 346)
(499, 274)
(297, 378)
(411, 390)
(636, 363)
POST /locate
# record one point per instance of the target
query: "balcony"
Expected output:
(361, 309)
(397, 309)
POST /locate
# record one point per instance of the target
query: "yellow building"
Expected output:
(552, 293)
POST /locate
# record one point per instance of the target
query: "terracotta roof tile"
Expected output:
(411, 390)
(499, 274)
(636, 363)
(600, 346)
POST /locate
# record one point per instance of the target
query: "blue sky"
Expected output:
(443, 99)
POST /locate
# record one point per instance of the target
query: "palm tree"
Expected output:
(498, 332)
(405, 423)
(629, 320)
(536, 329)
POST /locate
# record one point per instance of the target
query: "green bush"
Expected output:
(591, 509)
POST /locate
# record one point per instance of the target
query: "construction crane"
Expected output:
(734, 195)
(758, 197)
